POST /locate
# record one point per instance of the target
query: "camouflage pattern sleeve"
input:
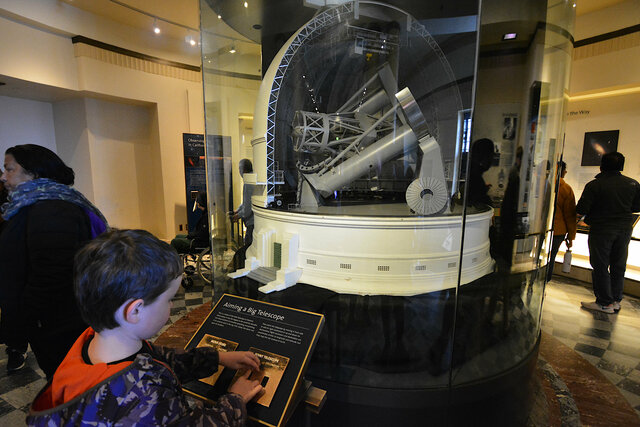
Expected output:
(189, 365)
(160, 402)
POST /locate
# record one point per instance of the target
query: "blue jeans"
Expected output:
(608, 250)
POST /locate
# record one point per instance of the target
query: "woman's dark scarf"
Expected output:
(33, 191)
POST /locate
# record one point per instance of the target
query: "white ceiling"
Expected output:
(184, 20)
(588, 6)
(135, 13)
(186, 12)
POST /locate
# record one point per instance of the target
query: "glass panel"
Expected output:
(518, 135)
(358, 133)
(367, 184)
(231, 78)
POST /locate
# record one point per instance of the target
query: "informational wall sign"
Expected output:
(195, 175)
(283, 339)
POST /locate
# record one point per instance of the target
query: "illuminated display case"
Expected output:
(403, 179)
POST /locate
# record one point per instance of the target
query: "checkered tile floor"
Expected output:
(610, 342)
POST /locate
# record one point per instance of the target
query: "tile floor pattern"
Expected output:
(610, 342)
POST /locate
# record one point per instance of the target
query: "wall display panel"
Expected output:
(362, 128)
(597, 144)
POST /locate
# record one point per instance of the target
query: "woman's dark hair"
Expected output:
(42, 163)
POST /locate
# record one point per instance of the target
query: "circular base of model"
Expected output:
(371, 255)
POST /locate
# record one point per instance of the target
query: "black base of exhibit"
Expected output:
(387, 360)
(503, 400)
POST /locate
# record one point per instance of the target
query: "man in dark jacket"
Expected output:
(608, 203)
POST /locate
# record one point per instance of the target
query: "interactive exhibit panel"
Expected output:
(361, 147)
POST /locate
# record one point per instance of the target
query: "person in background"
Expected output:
(608, 203)
(199, 236)
(564, 219)
(481, 155)
(244, 211)
(16, 342)
(47, 222)
(124, 282)
(4, 195)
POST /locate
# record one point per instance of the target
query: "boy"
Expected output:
(124, 283)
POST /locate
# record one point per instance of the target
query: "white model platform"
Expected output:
(394, 254)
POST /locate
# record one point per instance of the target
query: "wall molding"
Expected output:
(605, 43)
(109, 57)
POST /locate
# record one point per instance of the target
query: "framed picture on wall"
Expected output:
(598, 143)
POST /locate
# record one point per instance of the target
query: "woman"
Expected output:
(47, 222)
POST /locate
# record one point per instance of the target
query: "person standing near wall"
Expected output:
(480, 158)
(47, 222)
(608, 203)
(564, 219)
(245, 211)
(15, 341)
(199, 236)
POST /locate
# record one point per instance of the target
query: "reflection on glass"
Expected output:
(375, 201)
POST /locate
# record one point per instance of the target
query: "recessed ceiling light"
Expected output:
(509, 36)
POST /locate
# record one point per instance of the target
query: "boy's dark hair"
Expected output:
(118, 266)
(612, 162)
(42, 163)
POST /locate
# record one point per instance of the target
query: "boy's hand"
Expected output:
(239, 360)
(246, 388)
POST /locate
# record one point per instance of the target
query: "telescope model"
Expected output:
(354, 197)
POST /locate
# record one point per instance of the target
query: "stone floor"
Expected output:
(611, 343)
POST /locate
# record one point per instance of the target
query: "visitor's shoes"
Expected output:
(597, 307)
(616, 306)
(16, 360)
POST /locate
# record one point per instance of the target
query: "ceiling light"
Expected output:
(574, 5)
(219, 16)
(246, 4)
(233, 49)
(509, 36)
(156, 29)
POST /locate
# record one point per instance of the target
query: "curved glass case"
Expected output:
(403, 174)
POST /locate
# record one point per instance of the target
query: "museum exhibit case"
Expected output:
(404, 170)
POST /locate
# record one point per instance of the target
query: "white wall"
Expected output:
(605, 90)
(72, 139)
(122, 160)
(608, 113)
(24, 121)
(604, 95)
(90, 132)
